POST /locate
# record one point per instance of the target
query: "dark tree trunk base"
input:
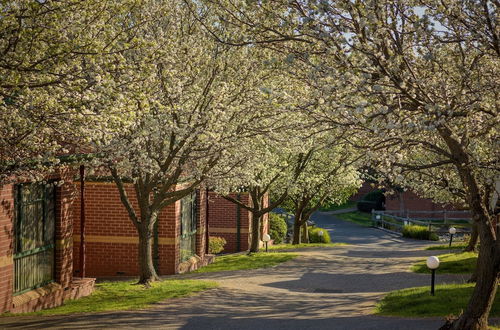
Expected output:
(474, 236)
(147, 282)
(469, 324)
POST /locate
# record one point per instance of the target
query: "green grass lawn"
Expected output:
(454, 246)
(246, 261)
(361, 218)
(418, 302)
(451, 263)
(279, 247)
(346, 205)
(124, 295)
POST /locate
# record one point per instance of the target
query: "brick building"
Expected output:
(111, 239)
(408, 201)
(232, 222)
(40, 238)
(36, 252)
(180, 245)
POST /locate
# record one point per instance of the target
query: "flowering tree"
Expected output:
(273, 165)
(328, 177)
(191, 100)
(416, 82)
(55, 74)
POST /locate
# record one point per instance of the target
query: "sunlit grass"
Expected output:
(125, 295)
(361, 218)
(452, 263)
(279, 247)
(454, 246)
(418, 302)
(246, 261)
(346, 205)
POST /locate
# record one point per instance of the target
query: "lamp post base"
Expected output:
(433, 280)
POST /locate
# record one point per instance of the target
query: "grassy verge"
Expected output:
(361, 218)
(417, 302)
(451, 263)
(123, 295)
(279, 247)
(346, 205)
(457, 246)
(246, 261)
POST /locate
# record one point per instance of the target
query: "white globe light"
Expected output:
(452, 230)
(266, 238)
(320, 233)
(378, 217)
(432, 262)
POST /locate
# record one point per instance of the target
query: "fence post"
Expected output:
(445, 216)
(373, 218)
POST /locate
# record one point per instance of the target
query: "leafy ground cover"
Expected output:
(361, 218)
(418, 302)
(279, 247)
(246, 261)
(451, 263)
(124, 295)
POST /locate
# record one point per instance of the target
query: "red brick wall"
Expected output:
(65, 197)
(409, 201)
(6, 246)
(112, 240)
(222, 221)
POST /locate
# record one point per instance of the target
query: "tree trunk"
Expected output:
(296, 228)
(255, 235)
(305, 232)
(147, 272)
(475, 317)
(471, 246)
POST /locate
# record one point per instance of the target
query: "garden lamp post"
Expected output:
(378, 219)
(433, 264)
(320, 234)
(266, 238)
(452, 232)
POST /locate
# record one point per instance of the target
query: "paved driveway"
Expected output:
(334, 288)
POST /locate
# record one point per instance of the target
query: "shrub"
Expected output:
(419, 232)
(315, 237)
(374, 200)
(216, 244)
(277, 228)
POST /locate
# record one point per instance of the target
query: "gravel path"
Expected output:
(324, 288)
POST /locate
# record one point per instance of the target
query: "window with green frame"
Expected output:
(188, 227)
(34, 236)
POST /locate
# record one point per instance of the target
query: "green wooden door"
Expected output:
(34, 236)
